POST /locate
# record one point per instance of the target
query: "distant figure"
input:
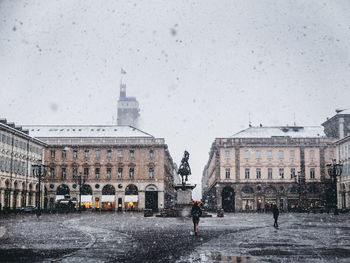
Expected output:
(275, 215)
(196, 212)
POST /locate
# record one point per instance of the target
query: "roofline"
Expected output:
(335, 117)
(85, 125)
(347, 138)
(22, 134)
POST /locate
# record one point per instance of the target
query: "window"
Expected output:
(132, 154)
(151, 154)
(86, 154)
(97, 153)
(292, 173)
(269, 154)
(246, 154)
(269, 173)
(64, 173)
(312, 154)
(97, 172)
(227, 173)
(312, 173)
(120, 153)
(258, 173)
(52, 173)
(64, 154)
(246, 173)
(109, 173)
(120, 172)
(75, 154)
(75, 172)
(52, 152)
(227, 154)
(109, 154)
(292, 154)
(86, 172)
(258, 154)
(281, 173)
(131, 173)
(281, 154)
(151, 173)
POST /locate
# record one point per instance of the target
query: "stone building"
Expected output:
(343, 187)
(124, 167)
(128, 109)
(259, 166)
(338, 126)
(18, 151)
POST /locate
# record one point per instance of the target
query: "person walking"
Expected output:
(196, 212)
(276, 213)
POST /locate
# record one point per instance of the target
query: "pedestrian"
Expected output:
(275, 215)
(196, 212)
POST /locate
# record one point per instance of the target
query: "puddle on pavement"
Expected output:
(219, 257)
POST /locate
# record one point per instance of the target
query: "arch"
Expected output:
(151, 187)
(293, 190)
(86, 189)
(228, 199)
(131, 189)
(108, 189)
(270, 190)
(247, 190)
(62, 189)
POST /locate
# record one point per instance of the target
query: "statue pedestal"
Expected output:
(182, 207)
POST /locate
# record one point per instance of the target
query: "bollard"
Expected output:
(220, 212)
(147, 213)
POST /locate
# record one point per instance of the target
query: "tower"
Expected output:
(128, 108)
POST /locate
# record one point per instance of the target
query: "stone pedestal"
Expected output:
(184, 196)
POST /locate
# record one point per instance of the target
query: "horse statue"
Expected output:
(184, 169)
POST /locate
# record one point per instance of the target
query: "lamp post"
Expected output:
(300, 181)
(39, 170)
(334, 170)
(80, 180)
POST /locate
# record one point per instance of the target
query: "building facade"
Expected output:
(18, 152)
(121, 167)
(262, 166)
(339, 125)
(128, 109)
(343, 183)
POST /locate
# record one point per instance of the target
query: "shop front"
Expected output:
(269, 203)
(247, 204)
(131, 202)
(86, 201)
(293, 204)
(108, 202)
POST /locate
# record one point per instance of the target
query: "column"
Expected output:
(160, 200)
(2, 199)
(11, 199)
(142, 203)
(27, 198)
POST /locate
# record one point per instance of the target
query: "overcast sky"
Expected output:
(198, 68)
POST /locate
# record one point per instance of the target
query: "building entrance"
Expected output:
(228, 199)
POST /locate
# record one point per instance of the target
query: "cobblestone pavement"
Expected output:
(113, 237)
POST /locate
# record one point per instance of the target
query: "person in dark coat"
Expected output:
(276, 213)
(196, 212)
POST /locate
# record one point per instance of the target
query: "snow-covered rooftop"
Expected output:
(278, 131)
(87, 131)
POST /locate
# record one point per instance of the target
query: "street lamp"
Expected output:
(39, 170)
(334, 169)
(80, 180)
(300, 181)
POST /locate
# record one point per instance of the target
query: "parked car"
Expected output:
(29, 209)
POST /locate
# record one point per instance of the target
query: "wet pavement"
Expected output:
(113, 237)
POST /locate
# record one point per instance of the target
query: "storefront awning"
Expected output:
(131, 198)
(59, 197)
(107, 198)
(86, 198)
